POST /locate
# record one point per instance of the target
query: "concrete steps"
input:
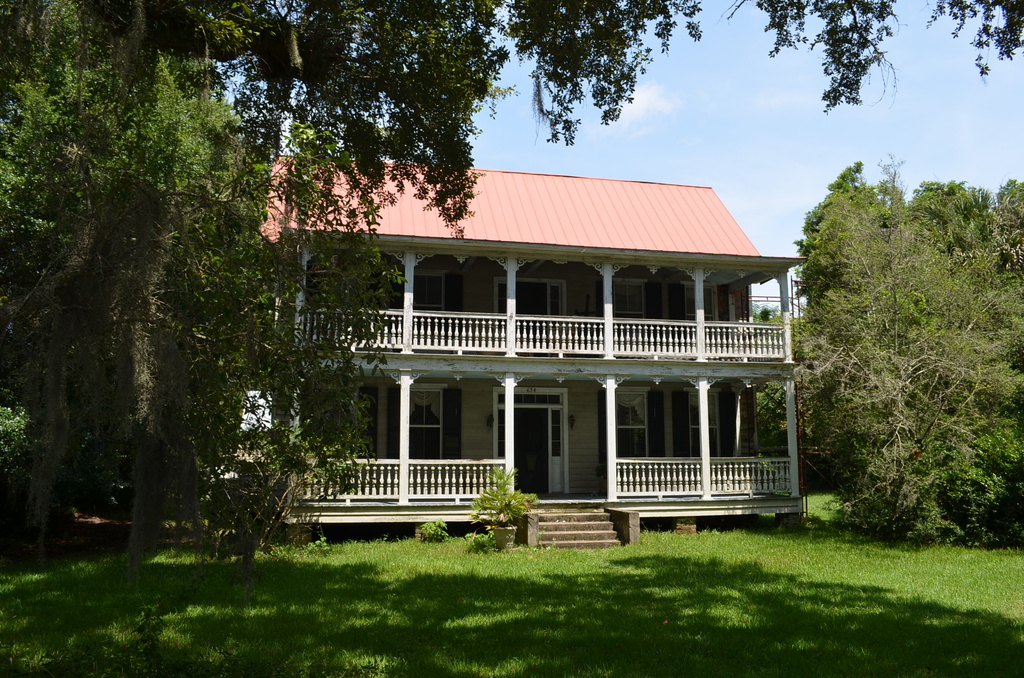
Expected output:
(577, 530)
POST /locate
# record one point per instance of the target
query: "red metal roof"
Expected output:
(548, 209)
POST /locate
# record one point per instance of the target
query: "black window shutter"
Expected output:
(394, 413)
(681, 424)
(677, 301)
(602, 428)
(397, 295)
(452, 292)
(652, 300)
(369, 393)
(723, 302)
(599, 298)
(451, 427)
(727, 423)
(656, 424)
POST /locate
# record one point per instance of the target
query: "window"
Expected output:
(628, 298)
(712, 425)
(533, 297)
(631, 423)
(428, 291)
(425, 424)
(710, 302)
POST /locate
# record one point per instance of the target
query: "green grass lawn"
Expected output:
(812, 601)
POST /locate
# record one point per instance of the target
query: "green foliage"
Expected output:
(501, 504)
(434, 532)
(982, 495)
(482, 542)
(908, 344)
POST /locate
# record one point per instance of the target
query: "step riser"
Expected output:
(576, 527)
(577, 530)
(582, 545)
(579, 536)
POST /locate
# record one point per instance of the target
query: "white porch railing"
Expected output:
(378, 479)
(729, 475)
(649, 338)
(732, 475)
(563, 335)
(573, 335)
(744, 341)
(456, 478)
(458, 331)
(635, 477)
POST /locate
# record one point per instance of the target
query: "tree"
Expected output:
(139, 143)
(908, 348)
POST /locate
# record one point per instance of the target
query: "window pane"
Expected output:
(428, 291)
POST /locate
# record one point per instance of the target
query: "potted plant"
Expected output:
(500, 506)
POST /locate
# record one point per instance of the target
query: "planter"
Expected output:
(504, 537)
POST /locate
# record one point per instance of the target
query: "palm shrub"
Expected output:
(501, 504)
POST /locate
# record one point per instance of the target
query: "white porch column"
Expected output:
(300, 298)
(607, 271)
(511, 268)
(698, 302)
(404, 411)
(611, 439)
(787, 337)
(705, 437)
(791, 439)
(409, 261)
(510, 421)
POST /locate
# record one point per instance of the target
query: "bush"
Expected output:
(434, 532)
(982, 497)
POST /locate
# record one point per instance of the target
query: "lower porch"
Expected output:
(335, 512)
(651, 488)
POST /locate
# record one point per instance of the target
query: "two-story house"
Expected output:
(594, 334)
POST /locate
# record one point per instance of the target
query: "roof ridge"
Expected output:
(578, 176)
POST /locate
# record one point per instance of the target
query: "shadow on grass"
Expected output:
(634, 616)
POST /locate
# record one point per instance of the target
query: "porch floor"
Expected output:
(354, 512)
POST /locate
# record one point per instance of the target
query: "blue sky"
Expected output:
(721, 113)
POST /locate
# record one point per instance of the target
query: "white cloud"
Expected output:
(651, 103)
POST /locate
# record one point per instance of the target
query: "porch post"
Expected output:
(511, 268)
(611, 473)
(510, 421)
(784, 305)
(791, 441)
(698, 301)
(705, 437)
(300, 298)
(607, 271)
(404, 410)
(409, 261)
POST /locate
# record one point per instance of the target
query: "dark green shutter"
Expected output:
(451, 427)
(452, 292)
(394, 414)
(369, 393)
(727, 423)
(652, 300)
(656, 424)
(397, 295)
(681, 424)
(723, 302)
(677, 301)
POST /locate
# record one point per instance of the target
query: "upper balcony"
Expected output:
(443, 332)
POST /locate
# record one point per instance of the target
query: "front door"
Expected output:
(532, 444)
